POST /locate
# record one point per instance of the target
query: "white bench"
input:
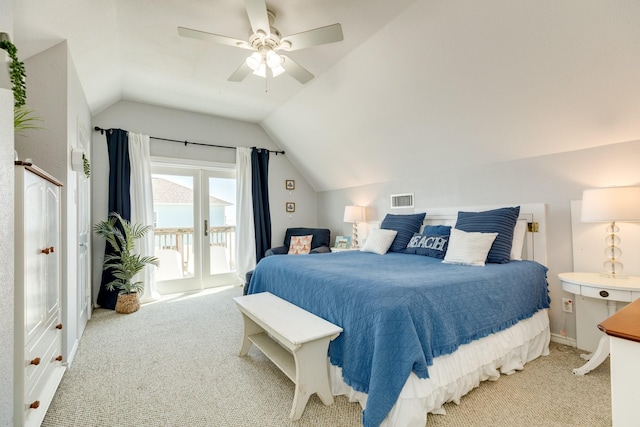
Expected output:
(294, 339)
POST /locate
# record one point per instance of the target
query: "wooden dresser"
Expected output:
(38, 331)
(624, 330)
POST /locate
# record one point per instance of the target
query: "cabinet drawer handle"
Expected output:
(35, 361)
(59, 326)
(604, 294)
(45, 251)
(59, 358)
(35, 404)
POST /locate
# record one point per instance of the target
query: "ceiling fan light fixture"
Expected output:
(261, 71)
(276, 71)
(273, 59)
(254, 61)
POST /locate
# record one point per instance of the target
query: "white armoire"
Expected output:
(38, 329)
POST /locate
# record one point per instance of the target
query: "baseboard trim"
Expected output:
(564, 340)
(71, 354)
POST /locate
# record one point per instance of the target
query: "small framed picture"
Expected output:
(290, 184)
(290, 207)
(343, 242)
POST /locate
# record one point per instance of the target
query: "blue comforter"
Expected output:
(400, 311)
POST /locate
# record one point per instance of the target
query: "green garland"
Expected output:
(17, 72)
(86, 166)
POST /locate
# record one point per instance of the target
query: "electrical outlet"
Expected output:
(567, 305)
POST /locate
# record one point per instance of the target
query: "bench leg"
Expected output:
(312, 375)
(250, 328)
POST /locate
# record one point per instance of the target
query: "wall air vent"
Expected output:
(401, 201)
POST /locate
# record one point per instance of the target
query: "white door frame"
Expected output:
(200, 172)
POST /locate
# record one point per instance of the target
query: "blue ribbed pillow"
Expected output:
(405, 225)
(440, 230)
(501, 221)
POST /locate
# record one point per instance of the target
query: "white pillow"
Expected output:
(468, 248)
(519, 232)
(379, 241)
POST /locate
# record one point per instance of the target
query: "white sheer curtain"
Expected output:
(142, 207)
(245, 232)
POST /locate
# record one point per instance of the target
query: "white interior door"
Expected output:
(84, 254)
(83, 207)
(194, 227)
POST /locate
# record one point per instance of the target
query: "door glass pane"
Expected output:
(173, 215)
(222, 225)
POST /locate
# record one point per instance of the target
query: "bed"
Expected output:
(418, 332)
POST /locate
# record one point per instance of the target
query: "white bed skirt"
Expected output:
(454, 375)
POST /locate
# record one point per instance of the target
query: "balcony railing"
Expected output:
(181, 241)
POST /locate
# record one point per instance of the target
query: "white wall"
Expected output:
(55, 93)
(6, 225)
(555, 179)
(304, 197)
(471, 82)
(6, 254)
(183, 125)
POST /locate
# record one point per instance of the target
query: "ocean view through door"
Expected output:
(194, 227)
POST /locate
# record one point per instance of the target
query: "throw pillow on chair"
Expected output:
(300, 245)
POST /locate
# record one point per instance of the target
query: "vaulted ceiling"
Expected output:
(130, 49)
(415, 85)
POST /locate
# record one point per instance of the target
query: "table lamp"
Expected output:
(611, 204)
(354, 214)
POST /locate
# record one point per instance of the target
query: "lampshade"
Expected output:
(261, 71)
(272, 59)
(353, 213)
(611, 204)
(254, 61)
(276, 71)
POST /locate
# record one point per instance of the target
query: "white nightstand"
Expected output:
(592, 290)
(344, 249)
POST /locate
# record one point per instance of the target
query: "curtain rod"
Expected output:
(102, 131)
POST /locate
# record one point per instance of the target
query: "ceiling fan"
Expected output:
(266, 41)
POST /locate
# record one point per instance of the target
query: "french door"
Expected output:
(194, 226)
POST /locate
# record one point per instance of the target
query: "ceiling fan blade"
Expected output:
(258, 17)
(295, 70)
(238, 75)
(210, 37)
(318, 36)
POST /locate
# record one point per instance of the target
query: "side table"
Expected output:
(344, 249)
(599, 287)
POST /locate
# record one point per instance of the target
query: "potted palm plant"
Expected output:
(124, 262)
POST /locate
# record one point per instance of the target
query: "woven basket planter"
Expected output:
(127, 303)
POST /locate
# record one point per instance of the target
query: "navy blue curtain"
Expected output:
(119, 200)
(260, 190)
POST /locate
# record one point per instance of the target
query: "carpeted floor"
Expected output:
(175, 363)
